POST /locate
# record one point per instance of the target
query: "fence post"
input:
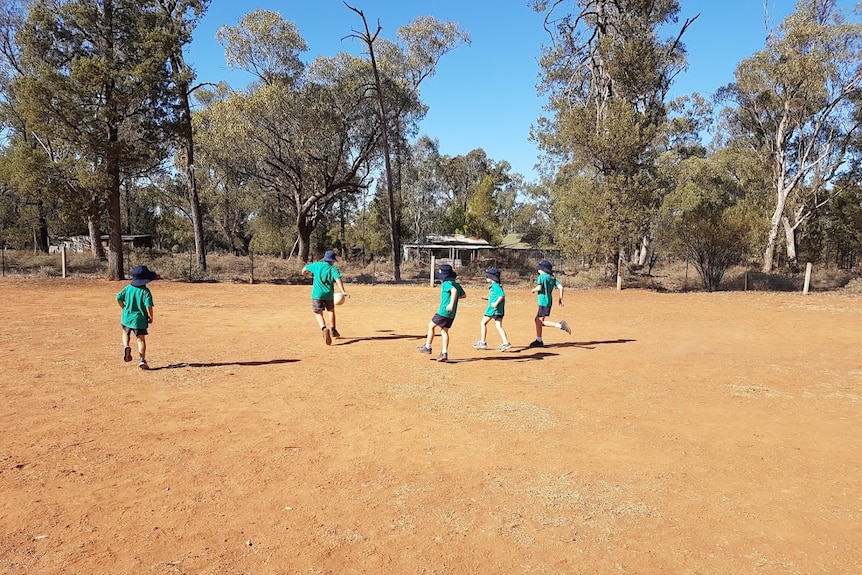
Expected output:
(807, 278)
(63, 260)
(433, 265)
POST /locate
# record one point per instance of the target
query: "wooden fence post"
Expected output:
(807, 278)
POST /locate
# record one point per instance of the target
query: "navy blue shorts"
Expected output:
(495, 317)
(544, 311)
(139, 331)
(318, 305)
(442, 321)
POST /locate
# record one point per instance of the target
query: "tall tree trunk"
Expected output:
(41, 233)
(643, 253)
(394, 214)
(188, 139)
(96, 246)
(115, 229)
(790, 244)
(772, 237)
(303, 236)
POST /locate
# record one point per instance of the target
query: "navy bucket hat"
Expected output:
(546, 266)
(329, 256)
(493, 273)
(445, 273)
(142, 275)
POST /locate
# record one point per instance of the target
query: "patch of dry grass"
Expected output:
(221, 267)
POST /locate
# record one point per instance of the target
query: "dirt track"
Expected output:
(687, 433)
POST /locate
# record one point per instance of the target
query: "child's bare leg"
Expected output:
(332, 318)
(319, 317)
(499, 325)
(483, 328)
(126, 338)
(540, 322)
(444, 334)
(142, 346)
(429, 338)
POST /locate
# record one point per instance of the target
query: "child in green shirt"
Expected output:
(137, 303)
(450, 292)
(495, 311)
(545, 284)
(326, 276)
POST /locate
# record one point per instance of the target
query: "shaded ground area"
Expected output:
(676, 433)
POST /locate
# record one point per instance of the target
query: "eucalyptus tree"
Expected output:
(396, 81)
(422, 202)
(310, 134)
(180, 19)
(794, 102)
(303, 135)
(97, 81)
(709, 217)
(43, 176)
(606, 73)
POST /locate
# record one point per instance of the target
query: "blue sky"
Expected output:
(483, 95)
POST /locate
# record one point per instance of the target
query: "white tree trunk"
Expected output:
(790, 241)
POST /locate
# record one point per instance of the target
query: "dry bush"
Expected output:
(30, 264)
(854, 286)
(669, 276)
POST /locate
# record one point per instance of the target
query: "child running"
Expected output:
(137, 303)
(325, 277)
(450, 292)
(495, 311)
(545, 284)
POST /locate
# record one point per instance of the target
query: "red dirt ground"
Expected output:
(670, 433)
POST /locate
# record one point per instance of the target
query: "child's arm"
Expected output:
(538, 288)
(453, 297)
(496, 303)
(121, 303)
(150, 314)
(340, 285)
(560, 286)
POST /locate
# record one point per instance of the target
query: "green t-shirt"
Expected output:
(323, 283)
(495, 291)
(135, 300)
(548, 283)
(446, 297)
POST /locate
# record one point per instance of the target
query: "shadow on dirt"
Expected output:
(507, 356)
(224, 364)
(591, 344)
(388, 336)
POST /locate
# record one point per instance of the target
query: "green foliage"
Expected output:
(707, 219)
(266, 45)
(607, 75)
(481, 219)
(794, 107)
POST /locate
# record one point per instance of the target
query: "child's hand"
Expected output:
(561, 302)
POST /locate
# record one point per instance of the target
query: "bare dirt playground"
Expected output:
(670, 433)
